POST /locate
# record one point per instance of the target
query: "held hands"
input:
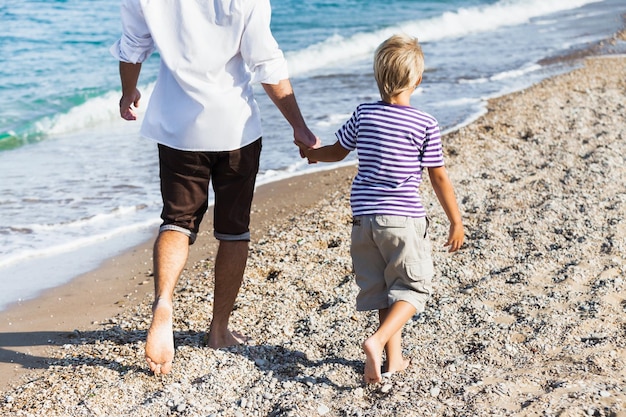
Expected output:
(455, 237)
(304, 150)
(305, 140)
(126, 111)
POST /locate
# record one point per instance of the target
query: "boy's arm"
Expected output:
(328, 153)
(445, 194)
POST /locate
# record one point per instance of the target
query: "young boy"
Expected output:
(390, 248)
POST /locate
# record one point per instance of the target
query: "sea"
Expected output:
(78, 185)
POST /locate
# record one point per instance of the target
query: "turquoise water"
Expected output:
(77, 184)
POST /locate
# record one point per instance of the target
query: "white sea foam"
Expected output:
(96, 111)
(515, 73)
(114, 216)
(80, 242)
(462, 101)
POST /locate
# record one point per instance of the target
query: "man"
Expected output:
(203, 115)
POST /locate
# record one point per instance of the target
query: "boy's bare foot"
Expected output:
(373, 357)
(216, 339)
(160, 340)
(391, 368)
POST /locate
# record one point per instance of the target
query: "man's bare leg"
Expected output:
(392, 321)
(170, 256)
(230, 264)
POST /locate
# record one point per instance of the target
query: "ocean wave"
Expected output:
(96, 111)
(462, 101)
(337, 50)
(504, 75)
(113, 216)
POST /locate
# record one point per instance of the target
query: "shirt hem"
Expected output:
(186, 149)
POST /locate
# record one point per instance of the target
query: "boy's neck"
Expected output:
(402, 99)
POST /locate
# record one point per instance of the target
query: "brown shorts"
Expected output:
(185, 178)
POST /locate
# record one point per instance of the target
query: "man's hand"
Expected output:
(126, 111)
(305, 139)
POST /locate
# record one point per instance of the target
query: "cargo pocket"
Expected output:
(420, 275)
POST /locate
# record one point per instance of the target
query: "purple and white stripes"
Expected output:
(394, 144)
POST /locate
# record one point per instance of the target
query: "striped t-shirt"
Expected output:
(393, 143)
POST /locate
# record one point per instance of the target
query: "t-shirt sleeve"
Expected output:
(136, 44)
(432, 155)
(347, 134)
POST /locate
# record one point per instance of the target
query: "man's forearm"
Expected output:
(129, 76)
(284, 99)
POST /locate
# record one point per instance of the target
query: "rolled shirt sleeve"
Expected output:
(259, 49)
(136, 43)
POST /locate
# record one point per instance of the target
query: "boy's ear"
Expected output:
(419, 81)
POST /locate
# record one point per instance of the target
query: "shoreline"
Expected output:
(527, 319)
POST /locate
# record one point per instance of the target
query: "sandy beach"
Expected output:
(528, 319)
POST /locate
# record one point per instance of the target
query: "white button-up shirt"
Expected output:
(210, 53)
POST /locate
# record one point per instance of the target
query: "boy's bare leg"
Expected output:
(393, 349)
(373, 349)
(392, 321)
(170, 256)
(230, 264)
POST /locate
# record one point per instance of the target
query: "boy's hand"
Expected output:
(305, 148)
(455, 237)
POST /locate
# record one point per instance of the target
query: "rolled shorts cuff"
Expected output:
(233, 238)
(372, 305)
(191, 235)
(417, 300)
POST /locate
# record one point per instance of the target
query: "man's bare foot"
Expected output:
(373, 357)
(221, 339)
(160, 340)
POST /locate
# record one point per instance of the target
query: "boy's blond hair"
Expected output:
(398, 65)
